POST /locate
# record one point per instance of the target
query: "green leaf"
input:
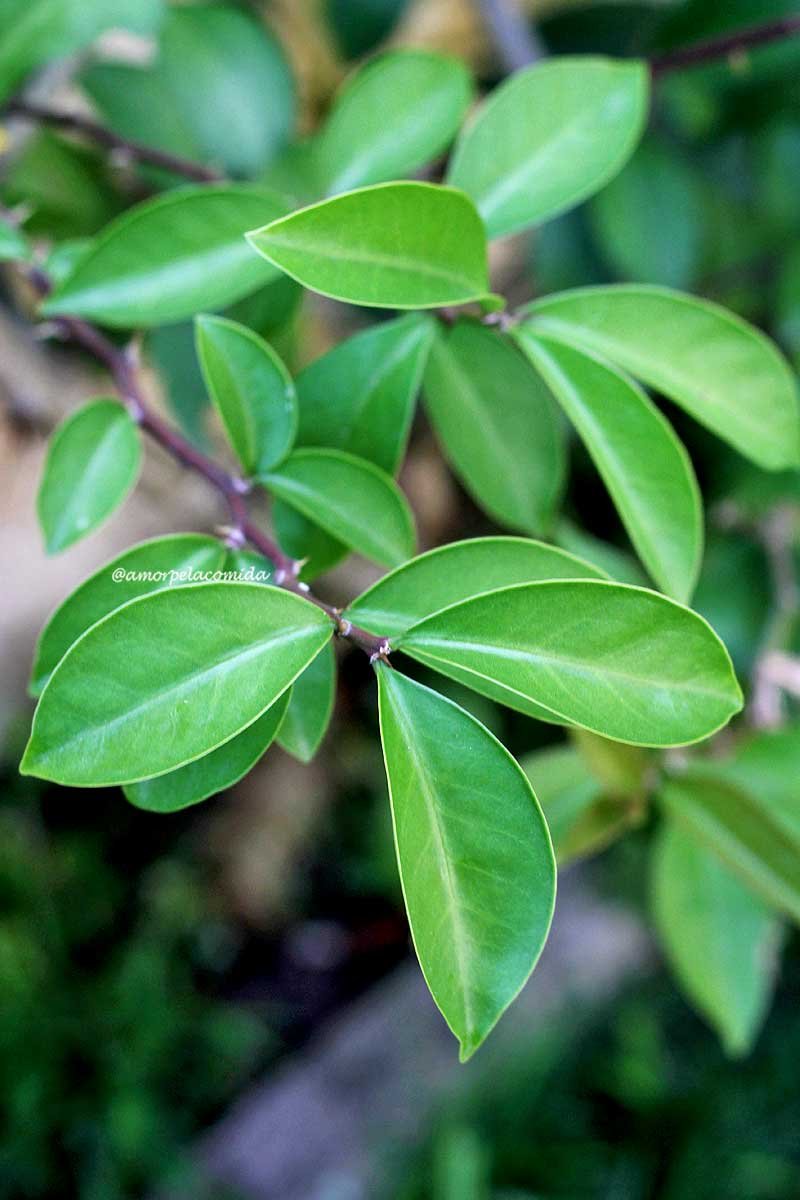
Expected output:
(456, 572)
(167, 678)
(642, 463)
(621, 661)
(582, 821)
(309, 712)
(615, 563)
(768, 766)
(349, 498)
(169, 560)
(548, 137)
(170, 257)
(724, 372)
(395, 245)
(92, 464)
(475, 858)
(251, 389)
(213, 773)
(721, 940)
(305, 541)
(497, 424)
(360, 396)
(13, 245)
(397, 113)
(764, 851)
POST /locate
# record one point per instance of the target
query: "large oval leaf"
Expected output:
(167, 678)
(475, 858)
(721, 940)
(548, 137)
(724, 372)
(497, 425)
(624, 662)
(310, 707)
(214, 772)
(397, 114)
(350, 499)
(92, 464)
(643, 465)
(149, 567)
(360, 396)
(449, 574)
(168, 258)
(395, 245)
(251, 389)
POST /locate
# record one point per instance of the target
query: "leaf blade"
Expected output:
(310, 707)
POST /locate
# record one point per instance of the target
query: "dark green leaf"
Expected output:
(624, 662)
(252, 390)
(497, 425)
(309, 712)
(167, 678)
(395, 245)
(548, 137)
(305, 541)
(92, 464)
(350, 499)
(168, 258)
(474, 853)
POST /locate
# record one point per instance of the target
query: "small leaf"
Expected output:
(170, 257)
(350, 499)
(301, 539)
(395, 245)
(724, 372)
(548, 137)
(497, 425)
(764, 851)
(13, 245)
(309, 712)
(621, 661)
(213, 773)
(721, 940)
(91, 466)
(642, 463)
(167, 678)
(251, 389)
(768, 766)
(167, 560)
(457, 572)
(475, 858)
(360, 396)
(394, 116)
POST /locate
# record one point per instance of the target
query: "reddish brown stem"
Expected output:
(702, 53)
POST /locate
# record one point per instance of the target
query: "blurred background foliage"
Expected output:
(150, 967)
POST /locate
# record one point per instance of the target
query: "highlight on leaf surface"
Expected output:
(475, 858)
(167, 678)
(394, 245)
(92, 464)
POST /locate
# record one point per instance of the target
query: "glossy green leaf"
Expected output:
(214, 772)
(724, 372)
(761, 849)
(497, 425)
(349, 498)
(616, 563)
(581, 820)
(310, 708)
(305, 541)
(720, 939)
(92, 464)
(167, 678)
(396, 114)
(170, 257)
(642, 463)
(457, 572)
(12, 243)
(548, 137)
(475, 858)
(360, 396)
(251, 389)
(624, 662)
(395, 245)
(768, 766)
(170, 561)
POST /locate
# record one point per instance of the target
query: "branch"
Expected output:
(725, 46)
(123, 367)
(124, 147)
(517, 43)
